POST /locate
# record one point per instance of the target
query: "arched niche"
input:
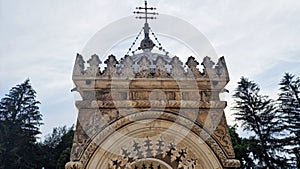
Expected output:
(116, 145)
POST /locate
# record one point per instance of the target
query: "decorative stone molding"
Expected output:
(73, 165)
(147, 67)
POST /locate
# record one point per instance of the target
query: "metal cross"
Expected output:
(146, 8)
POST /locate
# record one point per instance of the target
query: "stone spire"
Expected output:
(146, 43)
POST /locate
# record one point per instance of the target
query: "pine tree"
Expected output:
(257, 113)
(19, 125)
(289, 108)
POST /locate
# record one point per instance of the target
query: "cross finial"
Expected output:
(146, 12)
(146, 42)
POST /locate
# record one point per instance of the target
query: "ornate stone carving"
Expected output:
(144, 70)
(73, 165)
(78, 69)
(93, 70)
(160, 70)
(177, 68)
(193, 71)
(111, 104)
(209, 71)
(80, 140)
(224, 138)
(167, 152)
(127, 69)
(110, 70)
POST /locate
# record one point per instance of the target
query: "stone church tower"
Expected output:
(150, 111)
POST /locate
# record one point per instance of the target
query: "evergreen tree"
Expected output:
(257, 113)
(19, 125)
(242, 148)
(289, 108)
(57, 147)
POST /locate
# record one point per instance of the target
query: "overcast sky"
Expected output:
(39, 40)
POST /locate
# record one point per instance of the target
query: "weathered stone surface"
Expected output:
(148, 111)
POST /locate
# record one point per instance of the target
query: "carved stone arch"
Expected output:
(188, 108)
(125, 130)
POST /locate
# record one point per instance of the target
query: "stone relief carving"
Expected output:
(172, 155)
(224, 138)
(73, 165)
(80, 140)
(160, 70)
(144, 70)
(139, 99)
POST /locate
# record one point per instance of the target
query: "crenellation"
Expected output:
(193, 71)
(110, 70)
(78, 69)
(93, 70)
(144, 67)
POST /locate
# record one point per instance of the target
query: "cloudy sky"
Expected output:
(39, 40)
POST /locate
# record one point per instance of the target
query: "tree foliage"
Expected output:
(20, 119)
(258, 114)
(242, 148)
(289, 108)
(57, 148)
